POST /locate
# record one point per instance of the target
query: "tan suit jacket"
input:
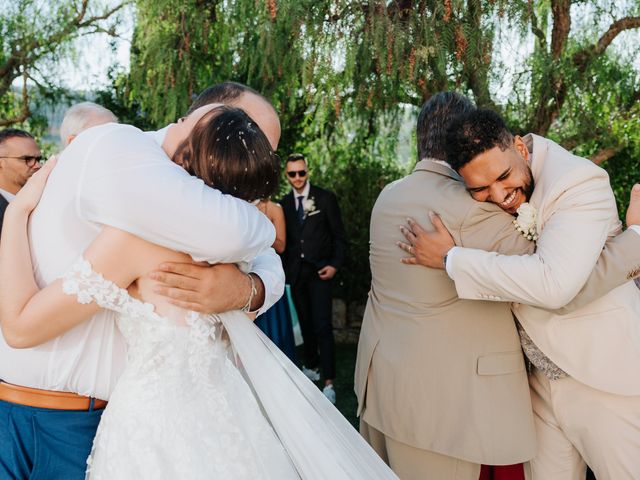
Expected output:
(599, 343)
(433, 371)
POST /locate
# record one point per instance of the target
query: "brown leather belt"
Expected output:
(33, 397)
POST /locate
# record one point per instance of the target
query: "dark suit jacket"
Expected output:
(320, 240)
(3, 207)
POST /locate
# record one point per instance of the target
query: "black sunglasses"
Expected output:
(29, 159)
(300, 173)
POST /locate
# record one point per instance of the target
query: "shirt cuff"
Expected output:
(449, 263)
(273, 288)
(635, 228)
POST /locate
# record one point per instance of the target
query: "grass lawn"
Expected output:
(343, 383)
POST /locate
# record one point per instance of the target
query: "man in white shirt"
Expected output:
(19, 159)
(194, 286)
(52, 396)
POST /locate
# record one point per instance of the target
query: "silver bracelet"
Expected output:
(254, 292)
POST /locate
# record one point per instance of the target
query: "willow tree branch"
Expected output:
(561, 10)
(605, 154)
(535, 29)
(25, 113)
(582, 58)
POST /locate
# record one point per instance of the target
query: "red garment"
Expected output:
(502, 472)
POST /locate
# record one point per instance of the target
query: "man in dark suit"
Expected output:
(316, 248)
(19, 159)
(3, 206)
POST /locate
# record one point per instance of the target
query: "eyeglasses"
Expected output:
(300, 173)
(30, 160)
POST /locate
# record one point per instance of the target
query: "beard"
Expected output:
(529, 185)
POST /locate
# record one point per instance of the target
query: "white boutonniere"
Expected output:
(525, 222)
(309, 207)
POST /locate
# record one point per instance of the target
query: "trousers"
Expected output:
(312, 298)
(44, 444)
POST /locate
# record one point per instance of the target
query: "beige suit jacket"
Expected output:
(434, 371)
(599, 343)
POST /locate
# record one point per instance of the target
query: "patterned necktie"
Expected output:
(300, 209)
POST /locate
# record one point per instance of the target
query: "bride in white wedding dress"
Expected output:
(201, 397)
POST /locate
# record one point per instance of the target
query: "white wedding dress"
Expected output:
(192, 404)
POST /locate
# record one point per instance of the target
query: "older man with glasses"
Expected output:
(316, 248)
(20, 158)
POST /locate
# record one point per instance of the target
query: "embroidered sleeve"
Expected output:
(89, 286)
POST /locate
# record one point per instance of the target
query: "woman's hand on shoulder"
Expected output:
(29, 196)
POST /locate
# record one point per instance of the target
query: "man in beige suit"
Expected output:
(441, 382)
(585, 384)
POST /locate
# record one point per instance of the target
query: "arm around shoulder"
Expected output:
(139, 190)
(618, 264)
(566, 252)
(50, 312)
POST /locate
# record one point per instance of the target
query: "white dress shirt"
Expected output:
(304, 194)
(8, 196)
(119, 176)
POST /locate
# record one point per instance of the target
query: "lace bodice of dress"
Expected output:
(156, 344)
(181, 408)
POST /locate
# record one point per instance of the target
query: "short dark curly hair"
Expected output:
(473, 134)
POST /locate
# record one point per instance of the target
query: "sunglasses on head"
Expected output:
(300, 173)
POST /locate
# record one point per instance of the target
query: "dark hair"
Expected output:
(8, 133)
(294, 157)
(474, 133)
(435, 116)
(229, 152)
(225, 92)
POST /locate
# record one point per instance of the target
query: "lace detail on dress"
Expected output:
(89, 286)
(181, 409)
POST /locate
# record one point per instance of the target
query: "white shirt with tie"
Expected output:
(304, 194)
(118, 175)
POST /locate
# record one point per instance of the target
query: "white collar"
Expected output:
(159, 135)
(9, 196)
(304, 193)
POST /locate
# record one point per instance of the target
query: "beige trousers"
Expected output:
(577, 424)
(411, 463)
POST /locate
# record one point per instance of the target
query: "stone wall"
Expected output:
(347, 321)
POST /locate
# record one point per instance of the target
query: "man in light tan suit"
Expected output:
(586, 382)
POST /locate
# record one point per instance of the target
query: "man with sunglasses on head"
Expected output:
(316, 248)
(20, 158)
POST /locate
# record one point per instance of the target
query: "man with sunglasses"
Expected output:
(316, 248)
(20, 158)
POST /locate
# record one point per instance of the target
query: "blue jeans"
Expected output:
(43, 444)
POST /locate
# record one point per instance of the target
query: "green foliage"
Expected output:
(342, 74)
(356, 169)
(624, 171)
(34, 36)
